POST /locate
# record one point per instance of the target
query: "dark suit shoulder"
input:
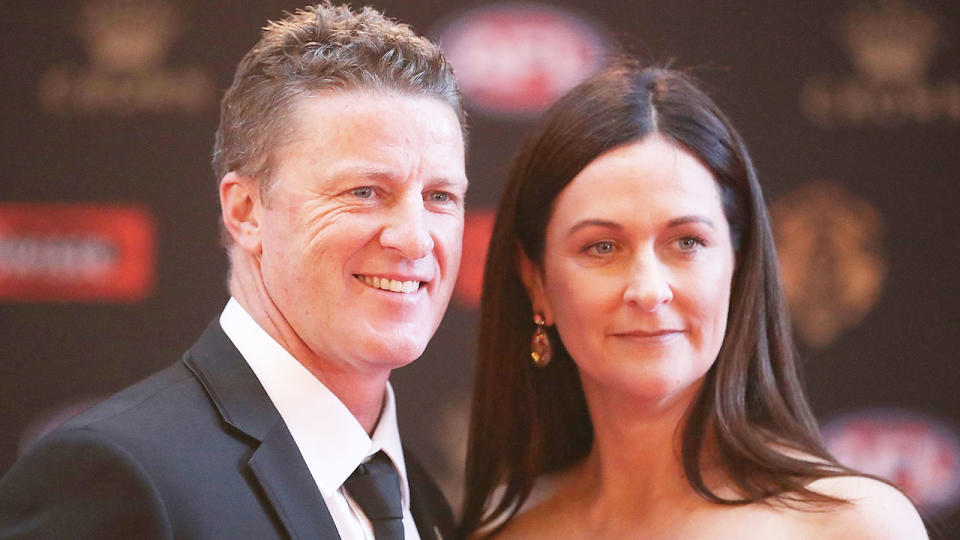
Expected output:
(78, 483)
(165, 384)
(103, 473)
(156, 460)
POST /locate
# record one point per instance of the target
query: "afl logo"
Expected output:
(913, 451)
(515, 59)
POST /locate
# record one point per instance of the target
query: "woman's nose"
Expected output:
(648, 285)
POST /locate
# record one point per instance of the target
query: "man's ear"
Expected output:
(241, 208)
(532, 278)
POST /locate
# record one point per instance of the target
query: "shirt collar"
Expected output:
(329, 437)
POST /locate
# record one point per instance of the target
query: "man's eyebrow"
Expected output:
(444, 182)
(377, 173)
(362, 171)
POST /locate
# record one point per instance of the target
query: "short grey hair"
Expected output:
(319, 48)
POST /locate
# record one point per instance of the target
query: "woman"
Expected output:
(634, 345)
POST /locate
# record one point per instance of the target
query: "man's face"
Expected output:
(362, 224)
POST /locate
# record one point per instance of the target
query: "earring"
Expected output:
(540, 349)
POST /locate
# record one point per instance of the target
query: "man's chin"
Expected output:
(394, 354)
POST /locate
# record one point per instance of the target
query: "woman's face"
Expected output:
(637, 271)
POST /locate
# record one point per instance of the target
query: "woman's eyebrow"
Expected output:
(594, 223)
(693, 218)
(675, 222)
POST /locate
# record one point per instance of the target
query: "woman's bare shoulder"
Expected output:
(526, 525)
(549, 511)
(547, 519)
(875, 510)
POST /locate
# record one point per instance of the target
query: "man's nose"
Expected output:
(406, 229)
(648, 284)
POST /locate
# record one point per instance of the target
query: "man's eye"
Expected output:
(439, 196)
(363, 192)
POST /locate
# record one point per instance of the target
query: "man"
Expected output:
(340, 155)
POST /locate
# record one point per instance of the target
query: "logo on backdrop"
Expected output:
(477, 228)
(832, 260)
(515, 59)
(75, 252)
(914, 451)
(891, 45)
(127, 42)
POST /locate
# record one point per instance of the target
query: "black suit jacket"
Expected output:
(195, 451)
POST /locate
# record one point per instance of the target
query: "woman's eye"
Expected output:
(688, 243)
(363, 192)
(603, 248)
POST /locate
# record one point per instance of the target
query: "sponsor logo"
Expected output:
(515, 59)
(891, 45)
(914, 451)
(477, 229)
(127, 42)
(832, 261)
(75, 252)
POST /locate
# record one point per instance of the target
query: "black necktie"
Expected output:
(375, 486)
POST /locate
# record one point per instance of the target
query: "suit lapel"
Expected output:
(284, 476)
(276, 462)
(429, 508)
(427, 528)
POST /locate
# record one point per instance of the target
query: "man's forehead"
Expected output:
(348, 115)
(376, 135)
(361, 101)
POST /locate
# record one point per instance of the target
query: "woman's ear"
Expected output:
(240, 207)
(532, 278)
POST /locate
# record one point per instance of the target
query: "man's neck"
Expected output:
(361, 392)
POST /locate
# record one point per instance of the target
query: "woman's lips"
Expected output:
(649, 335)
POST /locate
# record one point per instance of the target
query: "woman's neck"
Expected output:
(635, 462)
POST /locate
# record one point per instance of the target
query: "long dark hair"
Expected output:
(527, 421)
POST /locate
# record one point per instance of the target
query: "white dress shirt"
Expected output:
(330, 439)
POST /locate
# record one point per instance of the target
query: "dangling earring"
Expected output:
(540, 349)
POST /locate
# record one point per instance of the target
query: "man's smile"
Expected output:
(387, 284)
